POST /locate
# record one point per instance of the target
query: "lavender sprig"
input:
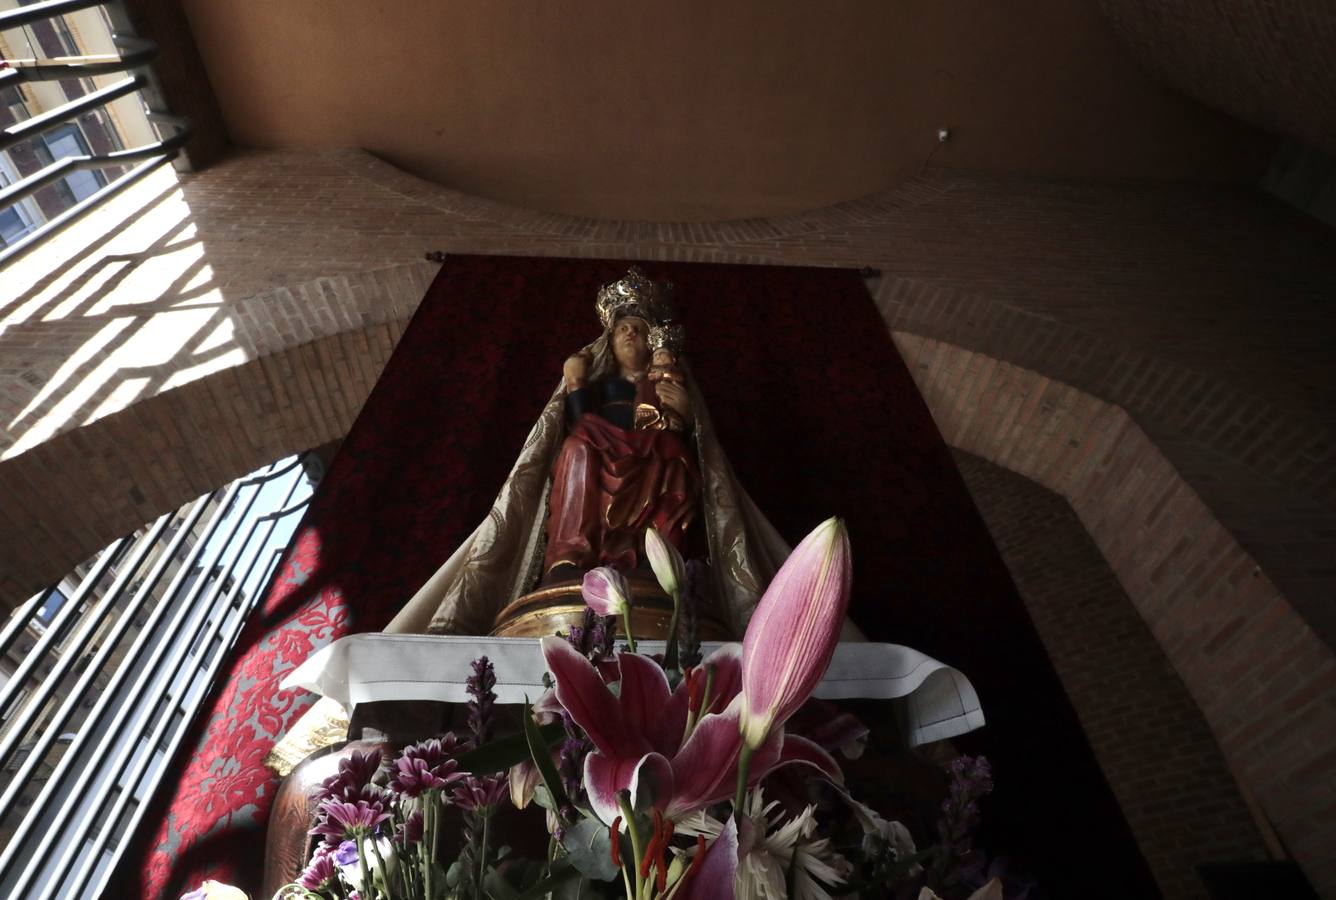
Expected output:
(602, 638)
(971, 778)
(570, 767)
(481, 700)
(593, 638)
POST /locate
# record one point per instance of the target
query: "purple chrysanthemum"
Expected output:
(481, 794)
(426, 766)
(411, 831)
(340, 821)
(353, 781)
(336, 788)
(321, 872)
(413, 776)
(359, 768)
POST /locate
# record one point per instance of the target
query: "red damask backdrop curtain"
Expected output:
(819, 416)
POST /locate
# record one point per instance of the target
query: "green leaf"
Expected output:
(574, 889)
(519, 875)
(902, 866)
(589, 848)
(498, 888)
(562, 872)
(543, 798)
(500, 755)
(542, 759)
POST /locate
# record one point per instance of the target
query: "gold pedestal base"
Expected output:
(556, 607)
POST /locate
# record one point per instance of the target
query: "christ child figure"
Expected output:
(665, 342)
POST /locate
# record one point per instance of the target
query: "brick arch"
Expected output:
(1262, 678)
(864, 211)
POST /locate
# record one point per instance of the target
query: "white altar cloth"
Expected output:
(935, 701)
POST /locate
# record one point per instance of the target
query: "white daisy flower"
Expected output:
(768, 851)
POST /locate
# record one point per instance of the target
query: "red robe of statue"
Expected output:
(610, 483)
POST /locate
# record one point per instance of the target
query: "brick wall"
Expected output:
(1165, 768)
(1260, 463)
(1185, 410)
(1261, 676)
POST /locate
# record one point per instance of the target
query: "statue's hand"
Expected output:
(576, 370)
(675, 397)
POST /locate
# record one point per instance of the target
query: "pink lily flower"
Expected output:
(793, 633)
(606, 592)
(645, 740)
(713, 877)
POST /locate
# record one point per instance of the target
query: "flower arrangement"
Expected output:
(678, 778)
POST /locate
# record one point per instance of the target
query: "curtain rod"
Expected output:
(440, 256)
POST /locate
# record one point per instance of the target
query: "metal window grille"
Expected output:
(82, 179)
(104, 671)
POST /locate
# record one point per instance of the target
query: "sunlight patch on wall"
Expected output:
(80, 389)
(86, 291)
(121, 396)
(171, 265)
(124, 229)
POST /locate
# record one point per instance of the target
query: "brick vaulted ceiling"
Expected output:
(700, 110)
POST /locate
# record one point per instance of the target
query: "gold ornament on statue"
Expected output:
(668, 337)
(635, 294)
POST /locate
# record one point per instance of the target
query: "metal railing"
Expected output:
(135, 53)
(80, 762)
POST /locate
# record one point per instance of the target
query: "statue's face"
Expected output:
(630, 343)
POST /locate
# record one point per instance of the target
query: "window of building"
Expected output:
(54, 601)
(19, 219)
(68, 140)
(14, 106)
(15, 222)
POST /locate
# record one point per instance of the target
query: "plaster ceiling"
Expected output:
(698, 110)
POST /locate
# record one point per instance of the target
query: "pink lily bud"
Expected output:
(793, 633)
(606, 592)
(666, 562)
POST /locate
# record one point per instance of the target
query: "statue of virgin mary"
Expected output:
(597, 469)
